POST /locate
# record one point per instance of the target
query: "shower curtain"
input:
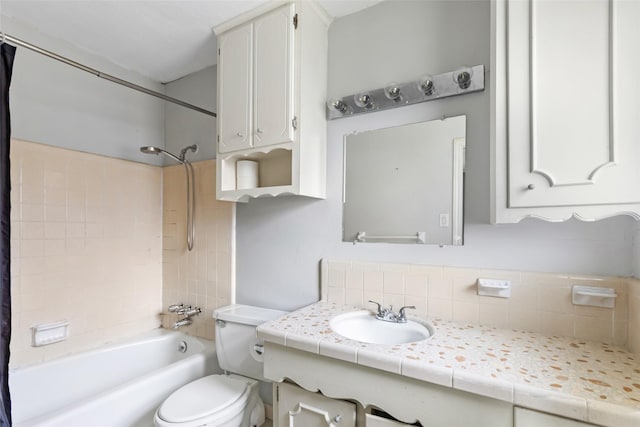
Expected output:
(7, 54)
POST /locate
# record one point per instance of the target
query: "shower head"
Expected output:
(149, 149)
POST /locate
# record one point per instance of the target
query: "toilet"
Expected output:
(230, 399)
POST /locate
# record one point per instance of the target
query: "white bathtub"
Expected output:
(116, 386)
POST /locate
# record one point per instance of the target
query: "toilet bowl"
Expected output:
(214, 400)
(229, 400)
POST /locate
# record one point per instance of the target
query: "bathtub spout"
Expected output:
(182, 322)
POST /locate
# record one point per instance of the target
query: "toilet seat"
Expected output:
(215, 397)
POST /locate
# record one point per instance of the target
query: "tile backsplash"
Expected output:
(539, 302)
(201, 277)
(85, 246)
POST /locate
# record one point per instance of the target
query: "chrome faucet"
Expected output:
(387, 314)
(182, 322)
(184, 310)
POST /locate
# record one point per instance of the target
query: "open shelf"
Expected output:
(275, 174)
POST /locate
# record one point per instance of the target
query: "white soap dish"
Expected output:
(593, 296)
(494, 288)
(49, 333)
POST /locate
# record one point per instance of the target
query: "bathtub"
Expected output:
(116, 386)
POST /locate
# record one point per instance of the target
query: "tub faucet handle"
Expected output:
(192, 311)
(175, 307)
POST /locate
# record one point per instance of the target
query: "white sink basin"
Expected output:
(364, 327)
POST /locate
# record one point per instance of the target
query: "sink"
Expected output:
(364, 327)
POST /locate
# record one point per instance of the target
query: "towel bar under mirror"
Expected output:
(401, 179)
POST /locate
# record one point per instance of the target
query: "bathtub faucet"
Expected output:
(182, 322)
(184, 310)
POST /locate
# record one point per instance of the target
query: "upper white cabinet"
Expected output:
(565, 130)
(272, 74)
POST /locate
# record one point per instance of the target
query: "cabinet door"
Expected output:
(572, 135)
(296, 407)
(234, 89)
(528, 418)
(273, 77)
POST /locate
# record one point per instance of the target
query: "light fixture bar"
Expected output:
(443, 86)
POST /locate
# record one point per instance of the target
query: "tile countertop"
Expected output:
(579, 379)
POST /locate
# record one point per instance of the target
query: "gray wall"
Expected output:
(184, 126)
(280, 241)
(55, 104)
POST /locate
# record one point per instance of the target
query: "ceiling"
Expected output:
(163, 40)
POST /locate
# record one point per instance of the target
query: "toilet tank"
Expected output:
(236, 337)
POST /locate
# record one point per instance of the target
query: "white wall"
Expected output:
(280, 241)
(184, 126)
(55, 104)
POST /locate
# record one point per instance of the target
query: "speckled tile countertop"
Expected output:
(583, 380)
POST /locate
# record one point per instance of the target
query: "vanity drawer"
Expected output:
(375, 421)
(529, 418)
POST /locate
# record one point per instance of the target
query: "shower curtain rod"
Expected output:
(7, 38)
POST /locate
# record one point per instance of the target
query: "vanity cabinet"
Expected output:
(405, 399)
(527, 418)
(272, 73)
(564, 126)
(296, 407)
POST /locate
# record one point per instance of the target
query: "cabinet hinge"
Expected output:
(277, 393)
(294, 123)
(295, 21)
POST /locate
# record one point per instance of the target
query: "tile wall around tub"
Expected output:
(539, 302)
(85, 247)
(634, 315)
(201, 277)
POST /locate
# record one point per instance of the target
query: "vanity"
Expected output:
(463, 375)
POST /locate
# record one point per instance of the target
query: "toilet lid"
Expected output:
(202, 397)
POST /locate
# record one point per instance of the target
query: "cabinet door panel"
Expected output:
(234, 90)
(273, 79)
(299, 408)
(569, 141)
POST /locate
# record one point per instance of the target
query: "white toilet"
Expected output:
(224, 400)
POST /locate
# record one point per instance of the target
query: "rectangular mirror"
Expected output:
(405, 184)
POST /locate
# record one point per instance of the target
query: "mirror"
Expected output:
(405, 184)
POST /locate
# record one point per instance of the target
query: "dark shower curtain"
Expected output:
(7, 53)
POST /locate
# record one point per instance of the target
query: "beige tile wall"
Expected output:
(539, 302)
(202, 277)
(86, 247)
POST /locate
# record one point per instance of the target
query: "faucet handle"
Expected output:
(401, 315)
(175, 307)
(380, 310)
(184, 310)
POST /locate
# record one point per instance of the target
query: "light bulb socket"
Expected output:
(426, 85)
(338, 105)
(364, 100)
(462, 77)
(393, 92)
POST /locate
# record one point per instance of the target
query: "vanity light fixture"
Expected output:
(427, 88)
(462, 77)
